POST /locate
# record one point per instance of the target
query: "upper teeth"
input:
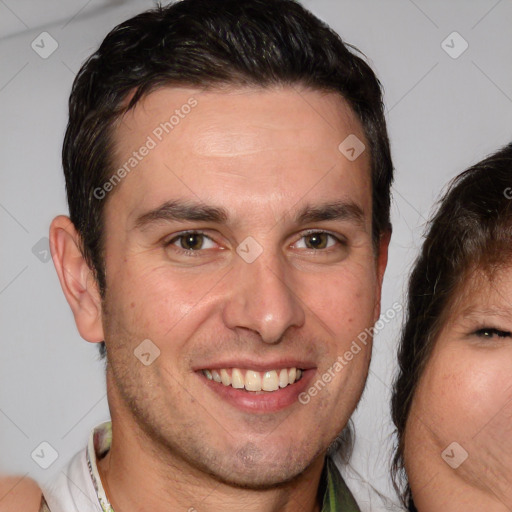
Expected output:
(254, 381)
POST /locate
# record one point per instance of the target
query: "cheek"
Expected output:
(343, 308)
(345, 302)
(148, 303)
(465, 398)
(465, 391)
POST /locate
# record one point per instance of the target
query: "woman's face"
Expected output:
(458, 438)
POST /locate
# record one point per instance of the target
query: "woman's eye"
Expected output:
(318, 240)
(192, 241)
(491, 332)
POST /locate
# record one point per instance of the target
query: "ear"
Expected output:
(76, 279)
(381, 263)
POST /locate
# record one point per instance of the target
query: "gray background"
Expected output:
(444, 113)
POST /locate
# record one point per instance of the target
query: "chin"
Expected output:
(250, 468)
(259, 479)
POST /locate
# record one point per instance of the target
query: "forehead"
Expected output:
(482, 294)
(270, 146)
(487, 290)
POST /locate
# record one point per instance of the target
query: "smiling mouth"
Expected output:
(251, 380)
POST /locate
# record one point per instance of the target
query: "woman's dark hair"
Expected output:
(208, 44)
(471, 232)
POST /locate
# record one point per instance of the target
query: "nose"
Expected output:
(263, 299)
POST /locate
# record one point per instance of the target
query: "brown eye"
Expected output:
(319, 240)
(191, 241)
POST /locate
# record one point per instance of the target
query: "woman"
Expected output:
(452, 400)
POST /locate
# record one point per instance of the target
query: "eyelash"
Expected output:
(196, 253)
(491, 332)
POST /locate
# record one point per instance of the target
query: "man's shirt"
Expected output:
(79, 488)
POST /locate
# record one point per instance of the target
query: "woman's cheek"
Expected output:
(461, 390)
(465, 397)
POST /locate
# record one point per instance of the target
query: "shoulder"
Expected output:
(19, 493)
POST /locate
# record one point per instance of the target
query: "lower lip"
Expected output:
(261, 401)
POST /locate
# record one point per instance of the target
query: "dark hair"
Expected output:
(471, 232)
(208, 44)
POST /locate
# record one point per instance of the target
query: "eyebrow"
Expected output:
(179, 210)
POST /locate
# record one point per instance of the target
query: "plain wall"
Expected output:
(444, 113)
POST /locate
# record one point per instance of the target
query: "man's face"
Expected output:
(254, 295)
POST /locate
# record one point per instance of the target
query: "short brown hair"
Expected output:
(209, 43)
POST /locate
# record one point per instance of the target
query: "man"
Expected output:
(228, 173)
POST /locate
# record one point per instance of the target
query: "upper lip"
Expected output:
(261, 366)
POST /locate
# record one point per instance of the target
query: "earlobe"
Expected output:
(76, 279)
